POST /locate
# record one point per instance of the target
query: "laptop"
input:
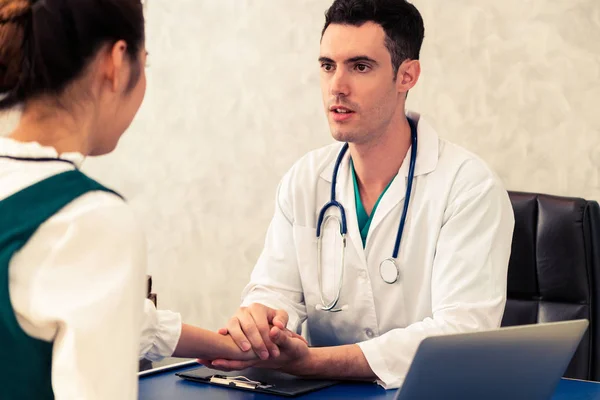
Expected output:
(522, 362)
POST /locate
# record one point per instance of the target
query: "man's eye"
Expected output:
(327, 67)
(361, 67)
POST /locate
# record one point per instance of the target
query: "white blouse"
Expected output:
(80, 282)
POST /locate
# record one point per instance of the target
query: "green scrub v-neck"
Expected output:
(364, 220)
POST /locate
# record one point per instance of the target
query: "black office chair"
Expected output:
(554, 270)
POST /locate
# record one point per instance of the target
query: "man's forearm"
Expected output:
(339, 362)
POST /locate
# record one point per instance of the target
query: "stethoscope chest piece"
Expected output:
(389, 271)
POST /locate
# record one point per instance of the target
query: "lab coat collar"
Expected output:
(427, 151)
(13, 148)
(427, 159)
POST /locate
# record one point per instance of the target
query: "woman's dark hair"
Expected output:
(401, 21)
(47, 44)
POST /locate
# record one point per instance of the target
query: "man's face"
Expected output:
(357, 82)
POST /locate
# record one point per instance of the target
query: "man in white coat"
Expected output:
(450, 273)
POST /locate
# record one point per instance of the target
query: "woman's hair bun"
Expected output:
(13, 24)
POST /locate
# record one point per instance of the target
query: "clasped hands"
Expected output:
(261, 335)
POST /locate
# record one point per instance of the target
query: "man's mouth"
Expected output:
(340, 110)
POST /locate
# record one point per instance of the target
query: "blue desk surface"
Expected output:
(166, 385)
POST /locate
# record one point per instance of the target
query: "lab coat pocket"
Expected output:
(330, 266)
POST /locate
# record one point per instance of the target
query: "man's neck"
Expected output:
(376, 164)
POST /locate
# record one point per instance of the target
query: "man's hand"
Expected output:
(250, 327)
(293, 358)
(296, 358)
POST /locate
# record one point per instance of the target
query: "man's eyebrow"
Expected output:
(351, 60)
(361, 58)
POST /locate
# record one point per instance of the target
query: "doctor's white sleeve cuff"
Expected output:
(293, 319)
(376, 359)
(160, 332)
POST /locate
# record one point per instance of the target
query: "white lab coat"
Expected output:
(79, 282)
(453, 257)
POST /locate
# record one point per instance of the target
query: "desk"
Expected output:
(166, 385)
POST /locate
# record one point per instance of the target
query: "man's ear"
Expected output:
(408, 75)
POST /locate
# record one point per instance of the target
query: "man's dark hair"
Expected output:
(401, 21)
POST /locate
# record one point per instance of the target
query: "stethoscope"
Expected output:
(388, 268)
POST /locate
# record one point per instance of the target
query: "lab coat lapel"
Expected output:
(392, 197)
(346, 191)
(427, 157)
(345, 195)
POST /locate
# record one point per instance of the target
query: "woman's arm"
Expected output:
(200, 343)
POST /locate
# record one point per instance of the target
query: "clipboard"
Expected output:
(257, 380)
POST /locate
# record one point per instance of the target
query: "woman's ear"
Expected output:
(115, 66)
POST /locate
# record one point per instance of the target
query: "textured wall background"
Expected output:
(233, 100)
